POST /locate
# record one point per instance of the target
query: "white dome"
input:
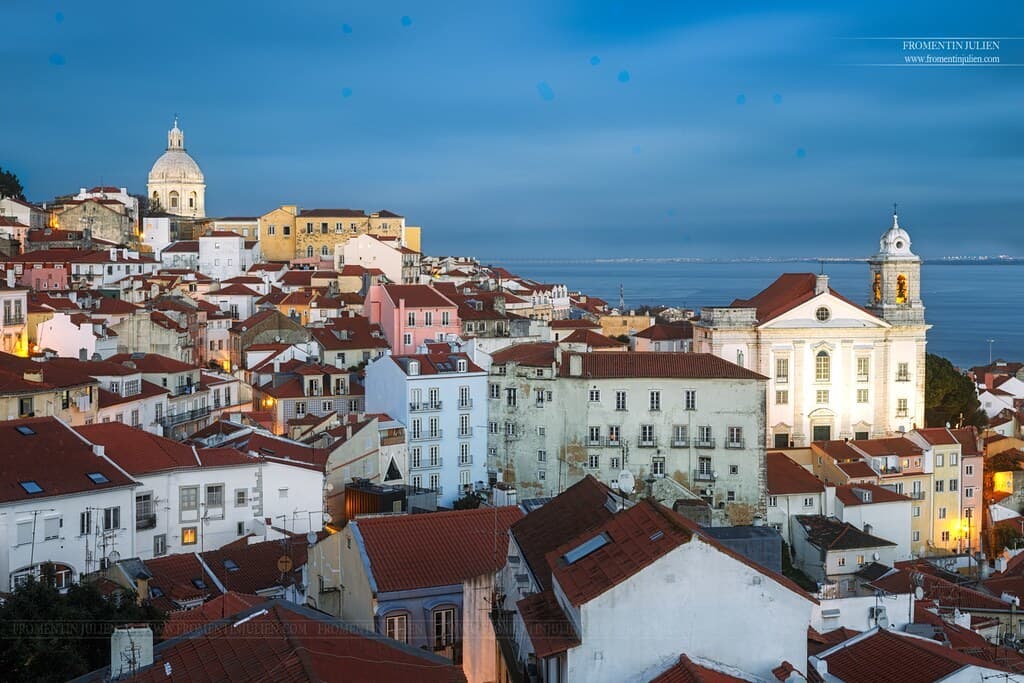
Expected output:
(895, 241)
(176, 165)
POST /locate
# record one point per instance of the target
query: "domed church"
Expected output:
(175, 180)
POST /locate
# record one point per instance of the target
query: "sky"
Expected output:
(540, 128)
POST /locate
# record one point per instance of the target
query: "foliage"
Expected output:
(470, 501)
(949, 396)
(10, 186)
(49, 636)
(1005, 536)
(793, 573)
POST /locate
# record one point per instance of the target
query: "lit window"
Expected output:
(822, 367)
(189, 535)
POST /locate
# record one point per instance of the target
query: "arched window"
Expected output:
(325, 251)
(901, 289)
(174, 200)
(309, 251)
(822, 367)
(192, 200)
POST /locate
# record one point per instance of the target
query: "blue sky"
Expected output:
(533, 128)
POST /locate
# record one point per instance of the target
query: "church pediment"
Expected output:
(826, 312)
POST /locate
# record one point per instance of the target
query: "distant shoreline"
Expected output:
(943, 261)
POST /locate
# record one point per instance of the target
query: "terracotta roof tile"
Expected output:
(688, 671)
(848, 495)
(548, 627)
(540, 354)
(786, 293)
(786, 477)
(603, 365)
(593, 340)
(828, 533)
(418, 296)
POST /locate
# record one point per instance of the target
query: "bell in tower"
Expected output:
(896, 278)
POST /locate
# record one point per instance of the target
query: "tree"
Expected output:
(470, 501)
(10, 186)
(49, 636)
(949, 396)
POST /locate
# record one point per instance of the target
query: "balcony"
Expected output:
(145, 521)
(426, 465)
(704, 443)
(901, 413)
(429, 436)
(466, 434)
(428, 406)
(181, 418)
(183, 389)
(735, 443)
(651, 442)
(703, 475)
(466, 459)
(680, 443)
(902, 378)
(889, 470)
(465, 404)
(915, 495)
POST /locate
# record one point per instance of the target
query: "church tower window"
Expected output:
(822, 367)
(901, 289)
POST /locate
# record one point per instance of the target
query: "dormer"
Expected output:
(414, 367)
(462, 365)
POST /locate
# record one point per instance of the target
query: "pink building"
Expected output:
(410, 315)
(41, 270)
(972, 477)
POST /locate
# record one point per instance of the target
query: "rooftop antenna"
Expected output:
(821, 266)
(622, 298)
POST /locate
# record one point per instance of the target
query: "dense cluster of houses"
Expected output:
(300, 421)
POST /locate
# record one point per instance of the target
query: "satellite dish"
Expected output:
(311, 538)
(114, 556)
(919, 593)
(875, 557)
(626, 482)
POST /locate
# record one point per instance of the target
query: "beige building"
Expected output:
(312, 235)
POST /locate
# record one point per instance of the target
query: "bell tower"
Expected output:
(895, 287)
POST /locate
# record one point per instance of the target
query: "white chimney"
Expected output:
(821, 284)
(131, 649)
(10, 278)
(113, 253)
(575, 365)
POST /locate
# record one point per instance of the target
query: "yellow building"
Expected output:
(319, 231)
(618, 325)
(277, 233)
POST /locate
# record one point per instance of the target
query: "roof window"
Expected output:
(586, 548)
(98, 478)
(31, 487)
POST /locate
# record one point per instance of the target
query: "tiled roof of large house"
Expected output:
(867, 494)
(614, 364)
(539, 354)
(968, 438)
(43, 457)
(786, 293)
(435, 363)
(279, 641)
(939, 586)
(856, 469)
(253, 568)
(407, 552)
(225, 605)
(331, 213)
(667, 332)
(579, 324)
(593, 340)
(787, 477)
(550, 629)
(152, 362)
(885, 656)
(828, 533)
(178, 579)
(146, 390)
(418, 296)
(688, 671)
(235, 289)
(937, 436)
(353, 332)
(138, 452)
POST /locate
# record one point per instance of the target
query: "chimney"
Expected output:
(820, 284)
(113, 253)
(10, 278)
(575, 365)
(99, 450)
(131, 649)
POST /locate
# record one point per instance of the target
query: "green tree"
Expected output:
(10, 186)
(949, 396)
(470, 501)
(49, 636)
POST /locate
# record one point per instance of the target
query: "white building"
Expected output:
(831, 552)
(29, 215)
(792, 490)
(879, 511)
(555, 417)
(837, 369)
(76, 335)
(440, 398)
(156, 234)
(183, 254)
(224, 254)
(398, 263)
(175, 180)
(65, 503)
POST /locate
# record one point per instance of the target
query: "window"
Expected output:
(464, 456)
(823, 314)
(658, 467)
(159, 545)
(680, 435)
(542, 475)
(862, 369)
(300, 408)
(954, 485)
(940, 485)
(435, 456)
(782, 370)
(594, 435)
(51, 528)
(822, 367)
(915, 536)
(542, 430)
(690, 399)
(841, 561)
(620, 400)
(704, 437)
(241, 498)
(613, 435)
(736, 437)
(85, 523)
(821, 397)
(916, 511)
(417, 481)
(593, 461)
(492, 427)
(444, 627)
(734, 469)
(862, 396)
(282, 492)
(942, 513)
(542, 456)
(494, 391)
(901, 408)
(781, 397)
(189, 535)
(953, 459)
(435, 481)
(860, 560)
(339, 227)
(464, 428)
(309, 251)
(969, 470)
(773, 501)
(968, 492)
(428, 319)
(411, 318)
(655, 400)
(511, 397)
(407, 339)
(397, 628)
(325, 251)
(595, 395)
(903, 372)
(271, 229)
(215, 495)
(647, 435)
(286, 230)
(809, 502)
(111, 518)
(539, 398)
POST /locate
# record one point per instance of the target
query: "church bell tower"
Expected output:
(895, 294)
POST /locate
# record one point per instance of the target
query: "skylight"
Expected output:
(31, 487)
(98, 478)
(586, 548)
(25, 431)
(199, 583)
(155, 592)
(230, 565)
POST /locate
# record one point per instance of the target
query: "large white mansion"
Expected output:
(835, 369)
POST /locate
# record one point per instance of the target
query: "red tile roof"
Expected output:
(828, 533)
(819, 642)
(540, 354)
(418, 296)
(614, 364)
(786, 293)
(148, 390)
(257, 564)
(937, 436)
(879, 494)
(152, 362)
(548, 627)
(857, 469)
(409, 552)
(578, 508)
(229, 604)
(968, 438)
(234, 290)
(286, 643)
(593, 340)
(53, 456)
(574, 325)
(174, 575)
(667, 332)
(435, 363)
(885, 656)
(687, 671)
(786, 476)
(181, 247)
(136, 451)
(936, 588)
(634, 539)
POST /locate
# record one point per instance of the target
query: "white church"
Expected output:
(175, 181)
(836, 369)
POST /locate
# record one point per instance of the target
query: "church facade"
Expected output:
(175, 181)
(836, 369)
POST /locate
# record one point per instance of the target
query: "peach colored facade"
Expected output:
(409, 315)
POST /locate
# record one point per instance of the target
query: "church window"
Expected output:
(821, 397)
(782, 370)
(876, 287)
(901, 289)
(863, 369)
(902, 372)
(192, 201)
(174, 200)
(823, 314)
(822, 367)
(309, 251)
(862, 396)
